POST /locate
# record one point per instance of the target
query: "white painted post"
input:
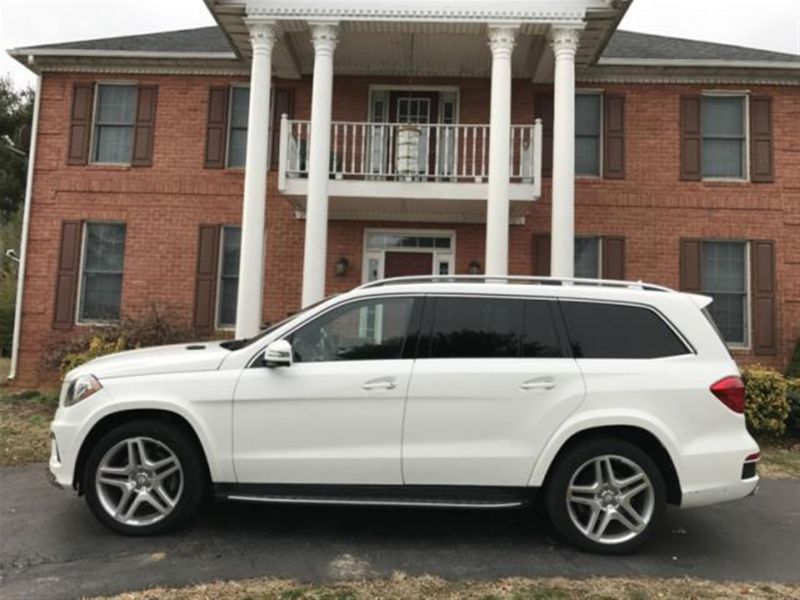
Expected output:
(324, 38)
(562, 255)
(501, 42)
(251, 265)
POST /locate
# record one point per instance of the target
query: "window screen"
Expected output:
(115, 115)
(722, 121)
(724, 278)
(587, 134)
(229, 276)
(587, 257)
(476, 328)
(237, 135)
(103, 257)
(598, 330)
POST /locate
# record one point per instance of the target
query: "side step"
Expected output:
(473, 497)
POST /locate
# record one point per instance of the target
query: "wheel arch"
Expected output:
(114, 419)
(636, 434)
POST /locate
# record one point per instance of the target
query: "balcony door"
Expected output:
(419, 109)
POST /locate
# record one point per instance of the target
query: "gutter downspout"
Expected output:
(26, 217)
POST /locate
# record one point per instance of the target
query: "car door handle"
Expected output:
(385, 383)
(540, 383)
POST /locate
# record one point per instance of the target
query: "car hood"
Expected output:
(177, 358)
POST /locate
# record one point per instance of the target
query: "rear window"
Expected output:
(598, 330)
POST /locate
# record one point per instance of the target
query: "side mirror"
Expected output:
(278, 354)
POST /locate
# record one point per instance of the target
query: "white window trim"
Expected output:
(79, 299)
(748, 305)
(601, 93)
(93, 127)
(218, 325)
(438, 254)
(745, 94)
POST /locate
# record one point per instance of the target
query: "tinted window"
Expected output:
(368, 330)
(539, 337)
(476, 328)
(599, 330)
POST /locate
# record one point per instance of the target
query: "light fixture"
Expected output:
(474, 267)
(342, 267)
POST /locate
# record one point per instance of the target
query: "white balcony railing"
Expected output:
(405, 152)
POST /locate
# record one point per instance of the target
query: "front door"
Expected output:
(402, 253)
(405, 264)
(335, 415)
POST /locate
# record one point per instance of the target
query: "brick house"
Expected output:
(175, 169)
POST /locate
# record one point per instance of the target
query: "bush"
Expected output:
(156, 329)
(793, 370)
(793, 396)
(767, 406)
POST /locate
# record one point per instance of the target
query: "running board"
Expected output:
(474, 497)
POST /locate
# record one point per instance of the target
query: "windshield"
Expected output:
(243, 343)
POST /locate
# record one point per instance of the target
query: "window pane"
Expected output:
(105, 247)
(116, 104)
(587, 257)
(539, 338)
(724, 278)
(587, 156)
(587, 114)
(723, 158)
(240, 100)
(232, 239)
(368, 330)
(101, 286)
(113, 144)
(728, 312)
(599, 330)
(229, 275)
(476, 328)
(237, 148)
(228, 295)
(722, 116)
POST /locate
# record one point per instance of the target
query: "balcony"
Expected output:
(409, 171)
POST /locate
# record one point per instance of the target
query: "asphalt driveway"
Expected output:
(51, 547)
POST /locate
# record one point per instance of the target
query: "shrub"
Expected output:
(155, 329)
(767, 406)
(793, 370)
(793, 396)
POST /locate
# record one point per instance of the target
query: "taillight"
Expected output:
(730, 391)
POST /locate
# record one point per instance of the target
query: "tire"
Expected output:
(167, 485)
(598, 513)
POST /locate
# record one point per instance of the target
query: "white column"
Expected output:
(562, 255)
(324, 38)
(501, 42)
(251, 263)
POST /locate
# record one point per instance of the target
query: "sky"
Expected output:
(768, 24)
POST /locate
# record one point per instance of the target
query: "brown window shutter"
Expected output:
(80, 124)
(614, 136)
(613, 258)
(216, 127)
(284, 104)
(690, 261)
(691, 139)
(145, 126)
(206, 277)
(69, 259)
(543, 107)
(761, 163)
(541, 254)
(763, 267)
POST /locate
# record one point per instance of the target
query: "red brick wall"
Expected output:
(163, 205)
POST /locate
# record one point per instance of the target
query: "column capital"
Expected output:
(324, 36)
(263, 34)
(502, 39)
(565, 39)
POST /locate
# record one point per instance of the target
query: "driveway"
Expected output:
(51, 547)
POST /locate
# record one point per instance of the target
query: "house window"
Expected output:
(587, 257)
(724, 278)
(114, 117)
(101, 280)
(587, 134)
(229, 276)
(724, 137)
(237, 126)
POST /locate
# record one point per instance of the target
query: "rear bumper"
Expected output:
(724, 493)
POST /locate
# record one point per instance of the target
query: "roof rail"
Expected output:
(616, 283)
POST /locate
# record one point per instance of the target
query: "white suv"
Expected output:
(611, 398)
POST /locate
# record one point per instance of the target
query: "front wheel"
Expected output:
(144, 478)
(606, 495)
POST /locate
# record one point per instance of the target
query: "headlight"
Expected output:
(81, 388)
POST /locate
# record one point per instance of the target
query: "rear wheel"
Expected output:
(144, 478)
(606, 495)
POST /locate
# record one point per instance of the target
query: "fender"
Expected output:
(606, 417)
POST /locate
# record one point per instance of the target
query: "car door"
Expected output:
(335, 414)
(492, 381)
